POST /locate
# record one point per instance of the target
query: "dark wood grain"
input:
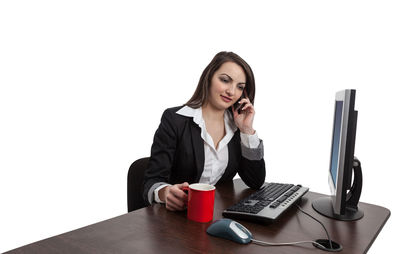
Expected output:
(156, 230)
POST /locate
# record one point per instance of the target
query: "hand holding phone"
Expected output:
(244, 121)
(237, 106)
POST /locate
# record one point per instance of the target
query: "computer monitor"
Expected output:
(343, 204)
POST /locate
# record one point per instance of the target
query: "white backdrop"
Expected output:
(84, 84)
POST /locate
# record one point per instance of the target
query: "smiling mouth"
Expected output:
(226, 99)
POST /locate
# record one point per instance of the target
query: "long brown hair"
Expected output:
(200, 95)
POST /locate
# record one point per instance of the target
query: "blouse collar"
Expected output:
(197, 115)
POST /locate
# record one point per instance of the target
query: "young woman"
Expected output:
(210, 138)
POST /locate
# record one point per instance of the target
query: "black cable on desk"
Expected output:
(315, 243)
(326, 231)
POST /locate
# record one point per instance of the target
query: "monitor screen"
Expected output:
(336, 141)
(342, 204)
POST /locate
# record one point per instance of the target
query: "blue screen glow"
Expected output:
(335, 141)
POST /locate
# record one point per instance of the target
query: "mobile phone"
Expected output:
(238, 107)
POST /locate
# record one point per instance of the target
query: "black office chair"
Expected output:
(135, 184)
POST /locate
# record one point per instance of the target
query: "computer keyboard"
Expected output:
(266, 204)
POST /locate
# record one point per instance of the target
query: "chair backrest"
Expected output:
(135, 184)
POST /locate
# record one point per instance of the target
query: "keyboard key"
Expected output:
(281, 199)
(274, 205)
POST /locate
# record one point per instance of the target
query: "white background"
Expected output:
(84, 84)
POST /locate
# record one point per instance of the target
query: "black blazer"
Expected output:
(177, 155)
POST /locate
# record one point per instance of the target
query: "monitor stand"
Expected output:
(324, 205)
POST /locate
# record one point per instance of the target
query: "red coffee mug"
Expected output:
(200, 205)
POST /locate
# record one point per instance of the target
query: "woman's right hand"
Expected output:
(174, 197)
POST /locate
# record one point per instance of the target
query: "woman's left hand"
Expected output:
(244, 120)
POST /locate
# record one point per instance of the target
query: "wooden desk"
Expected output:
(156, 230)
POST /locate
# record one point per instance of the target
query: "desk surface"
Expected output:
(156, 230)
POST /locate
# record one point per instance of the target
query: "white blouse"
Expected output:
(215, 160)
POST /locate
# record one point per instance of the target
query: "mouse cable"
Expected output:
(300, 242)
(312, 217)
(283, 244)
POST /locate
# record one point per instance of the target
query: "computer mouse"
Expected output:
(231, 230)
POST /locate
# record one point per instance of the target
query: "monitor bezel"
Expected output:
(346, 151)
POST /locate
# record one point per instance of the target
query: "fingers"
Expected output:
(183, 185)
(244, 121)
(176, 198)
(174, 204)
(248, 107)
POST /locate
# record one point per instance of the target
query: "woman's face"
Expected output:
(227, 85)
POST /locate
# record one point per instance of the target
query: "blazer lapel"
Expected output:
(198, 147)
